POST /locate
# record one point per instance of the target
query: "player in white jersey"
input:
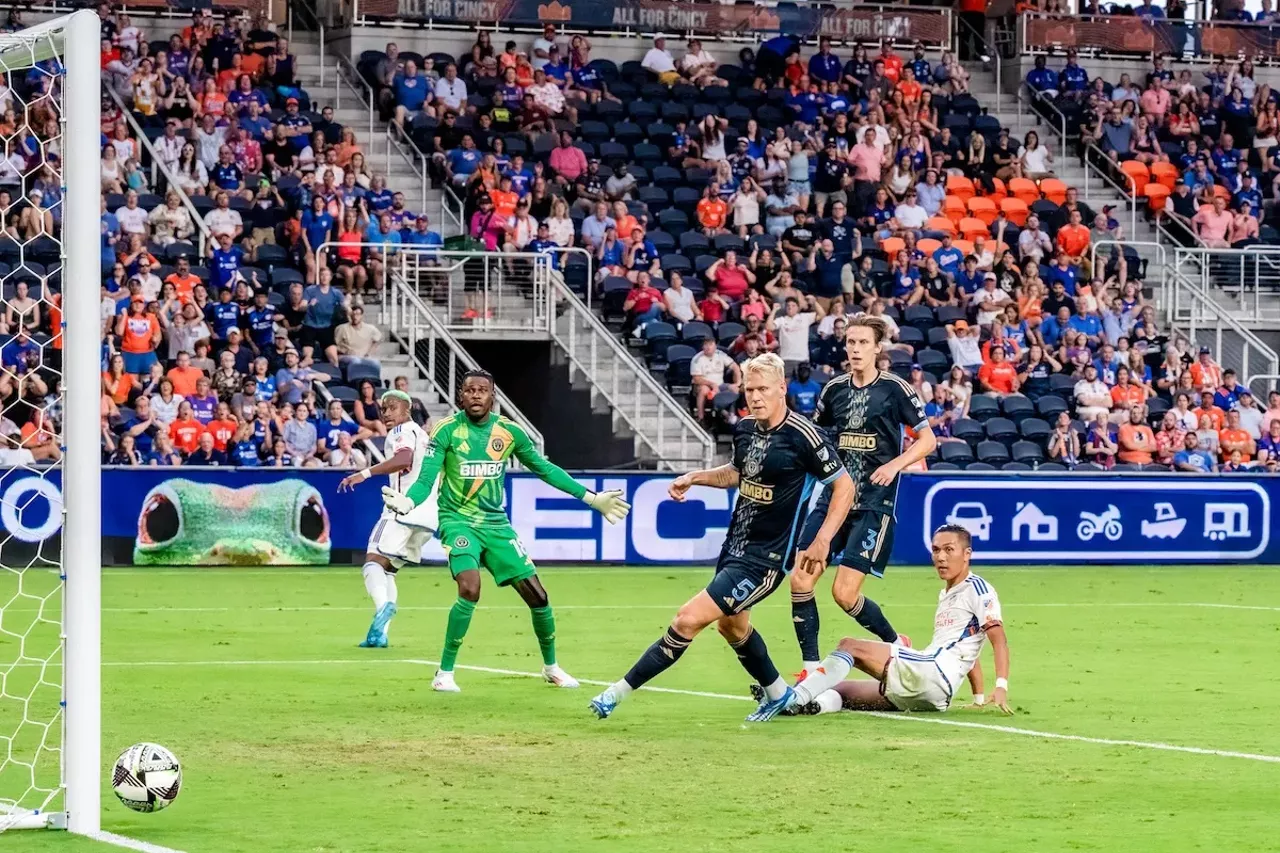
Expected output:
(396, 539)
(920, 679)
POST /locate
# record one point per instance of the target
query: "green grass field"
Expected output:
(295, 741)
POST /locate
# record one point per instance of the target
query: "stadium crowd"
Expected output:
(251, 352)
(747, 207)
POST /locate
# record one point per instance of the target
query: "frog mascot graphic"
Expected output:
(184, 523)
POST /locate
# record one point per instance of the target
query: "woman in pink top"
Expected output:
(1213, 223)
(487, 225)
(567, 160)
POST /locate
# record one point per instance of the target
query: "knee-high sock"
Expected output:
(393, 592)
(835, 669)
(657, 659)
(375, 581)
(459, 622)
(868, 614)
(544, 626)
(753, 654)
(804, 616)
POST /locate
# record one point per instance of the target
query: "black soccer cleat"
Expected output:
(806, 710)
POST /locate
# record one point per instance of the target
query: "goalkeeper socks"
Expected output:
(376, 584)
(804, 615)
(544, 626)
(658, 658)
(753, 654)
(867, 614)
(459, 622)
(834, 669)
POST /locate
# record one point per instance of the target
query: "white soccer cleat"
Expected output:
(555, 675)
(444, 683)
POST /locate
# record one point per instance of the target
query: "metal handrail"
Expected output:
(197, 220)
(319, 25)
(1037, 98)
(410, 153)
(457, 216)
(1160, 252)
(1202, 306)
(645, 384)
(991, 52)
(345, 72)
(401, 297)
(1131, 192)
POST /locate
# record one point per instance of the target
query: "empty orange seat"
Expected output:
(1156, 195)
(1165, 173)
(1024, 190)
(1054, 190)
(981, 207)
(1016, 210)
(965, 246)
(941, 223)
(892, 246)
(998, 191)
(960, 186)
(1138, 173)
(953, 208)
(971, 228)
(928, 245)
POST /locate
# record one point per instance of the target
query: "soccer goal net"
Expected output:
(50, 399)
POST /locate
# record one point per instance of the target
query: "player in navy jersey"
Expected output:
(867, 410)
(777, 458)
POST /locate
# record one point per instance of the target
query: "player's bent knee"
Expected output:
(734, 629)
(469, 584)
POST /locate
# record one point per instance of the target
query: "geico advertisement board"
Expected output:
(211, 516)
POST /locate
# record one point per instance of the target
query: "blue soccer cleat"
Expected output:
(604, 704)
(771, 708)
(377, 636)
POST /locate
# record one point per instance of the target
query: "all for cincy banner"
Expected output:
(212, 516)
(1129, 34)
(930, 26)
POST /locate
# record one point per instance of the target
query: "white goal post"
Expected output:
(50, 614)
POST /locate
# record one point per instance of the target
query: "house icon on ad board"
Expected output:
(1033, 525)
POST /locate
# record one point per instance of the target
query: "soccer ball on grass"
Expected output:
(147, 777)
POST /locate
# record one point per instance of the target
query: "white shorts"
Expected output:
(917, 682)
(399, 543)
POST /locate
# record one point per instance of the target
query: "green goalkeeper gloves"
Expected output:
(396, 502)
(609, 504)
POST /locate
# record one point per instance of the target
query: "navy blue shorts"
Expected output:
(739, 585)
(862, 543)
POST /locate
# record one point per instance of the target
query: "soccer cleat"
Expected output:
(904, 640)
(804, 673)
(808, 709)
(444, 683)
(377, 636)
(555, 675)
(770, 708)
(604, 704)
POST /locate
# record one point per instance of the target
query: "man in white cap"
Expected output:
(660, 62)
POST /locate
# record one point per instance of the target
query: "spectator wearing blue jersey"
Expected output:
(461, 163)
(803, 391)
(824, 65)
(413, 93)
(421, 235)
(297, 127)
(1073, 81)
(317, 229)
(949, 258)
(224, 262)
(260, 321)
(223, 315)
(323, 301)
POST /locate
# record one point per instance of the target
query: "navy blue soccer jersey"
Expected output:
(778, 469)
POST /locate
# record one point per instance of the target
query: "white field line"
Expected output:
(671, 607)
(130, 843)
(907, 718)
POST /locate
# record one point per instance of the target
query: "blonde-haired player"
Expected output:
(920, 679)
(396, 539)
(778, 456)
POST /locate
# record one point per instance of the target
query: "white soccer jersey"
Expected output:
(410, 436)
(959, 626)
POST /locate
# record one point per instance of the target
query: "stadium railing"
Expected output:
(158, 168)
(679, 19)
(1249, 276)
(1095, 159)
(410, 321)
(657, 418)
(1038, 107)
(308, 13)
(345, 74)
(1130, 35)
(989, 50)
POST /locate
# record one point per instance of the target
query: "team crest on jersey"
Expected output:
(497, 445)
(753, 466)
(461, 542)
(824, 454)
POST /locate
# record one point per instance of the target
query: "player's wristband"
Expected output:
(364, 474)
(1002, 684)
(979, 698)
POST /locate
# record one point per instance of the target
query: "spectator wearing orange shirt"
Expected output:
(1137, 441)
(185, 431)
(1234, 438)
(504, 199)
(1206, 374)
(909, 87)
(892, 62)
(222, 427)
(140, 334)
(999, 376)
(183, 280)
(1126, 394)
(1216, 416)
(624, 221)
(712, 211)
(1073, 238)
(184, 375)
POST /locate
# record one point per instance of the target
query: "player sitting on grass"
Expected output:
(396, 539)
(778, 455)
(919, 680)
(472, 447)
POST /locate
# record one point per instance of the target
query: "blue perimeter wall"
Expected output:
(1015, 518)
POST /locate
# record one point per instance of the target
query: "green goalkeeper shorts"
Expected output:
(494, 546)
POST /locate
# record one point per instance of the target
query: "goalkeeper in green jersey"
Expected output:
(471, 447)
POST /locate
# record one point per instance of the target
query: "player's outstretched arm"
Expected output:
(401, 461)
(611, 504)
(724, 477)
(815, 556)
(1000, 647)
(977, 684)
